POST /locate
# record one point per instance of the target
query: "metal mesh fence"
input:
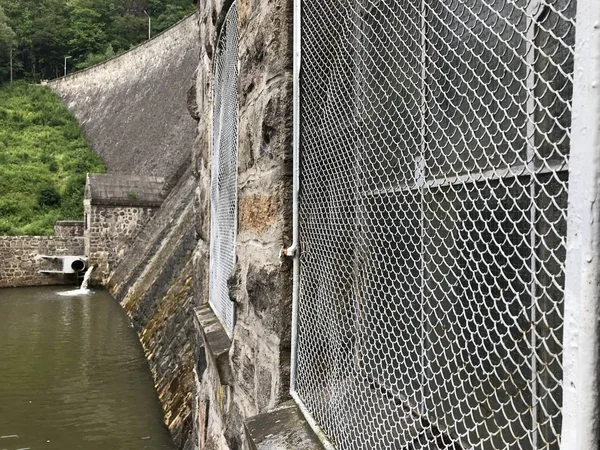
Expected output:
(434, 143)
(224, 169)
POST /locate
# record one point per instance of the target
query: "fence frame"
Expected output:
(580, 427)
(219, 301)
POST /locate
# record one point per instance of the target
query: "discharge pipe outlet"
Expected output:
(78, 265)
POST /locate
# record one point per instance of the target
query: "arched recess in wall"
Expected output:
(224, 169)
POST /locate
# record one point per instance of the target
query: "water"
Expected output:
(73, 375)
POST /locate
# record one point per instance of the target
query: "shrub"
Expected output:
(49, 197)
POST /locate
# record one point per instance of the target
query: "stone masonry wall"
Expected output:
(109, 234)
(133, 107)
(154, 284)
(20, 259)
(259, 356)
(68, 228)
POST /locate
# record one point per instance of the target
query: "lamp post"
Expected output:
(66, 57)
(149, 24)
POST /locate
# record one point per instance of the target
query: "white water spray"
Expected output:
(83, 290)
(86, 279)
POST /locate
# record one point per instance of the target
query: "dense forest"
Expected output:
(40, 34)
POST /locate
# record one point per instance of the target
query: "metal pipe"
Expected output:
(293, 249)
(66, 57)
(149, 25)
(581, 412)
(78, 265)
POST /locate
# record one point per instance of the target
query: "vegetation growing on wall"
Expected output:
(42, 33)
(44, 159)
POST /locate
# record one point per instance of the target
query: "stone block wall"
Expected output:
(20, 259)
(109, 233)
(65, 228)
(258, 359)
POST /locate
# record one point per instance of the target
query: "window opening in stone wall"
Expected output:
(434, 139)
(224, 170)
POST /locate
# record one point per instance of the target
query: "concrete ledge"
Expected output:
(281, 429)
(216, 342)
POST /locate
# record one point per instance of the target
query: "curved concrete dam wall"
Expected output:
(134, 112)
(133, 107)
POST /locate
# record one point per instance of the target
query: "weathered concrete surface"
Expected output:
(284, 428)
(215, 342)
(20, 259)
(116, 189)
(133, 108)
(259, 356)
(154, 284)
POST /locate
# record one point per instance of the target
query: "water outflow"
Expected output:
(83, 290)
(86, 279)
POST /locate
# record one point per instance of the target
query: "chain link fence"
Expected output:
(224, 169)
(434, 142)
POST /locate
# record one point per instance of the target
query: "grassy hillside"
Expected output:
(44, 159)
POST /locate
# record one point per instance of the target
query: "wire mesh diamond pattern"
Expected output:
(434, 144)
(224, 170)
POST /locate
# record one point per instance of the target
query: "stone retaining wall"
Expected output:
(109, 235)
(154, 284)
(20, 259)
(68, 228)
(252, 375)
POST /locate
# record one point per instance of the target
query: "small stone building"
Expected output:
(116, 206)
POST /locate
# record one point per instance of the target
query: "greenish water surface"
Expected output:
(73, 375)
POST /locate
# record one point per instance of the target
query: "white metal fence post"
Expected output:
(293, 250)
(581, 415)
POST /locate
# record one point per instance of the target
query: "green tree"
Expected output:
(86, 30)
(7, 35)
(126, 30)
(8, 39)
(43, 32)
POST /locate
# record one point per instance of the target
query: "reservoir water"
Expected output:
(73, 375)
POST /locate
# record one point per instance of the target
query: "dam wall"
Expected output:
(133, 108)
(134, 112)
(210, 382)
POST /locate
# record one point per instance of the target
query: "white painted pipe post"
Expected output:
(581, 415)
(293, 249)
(149, 25)
(66, 57)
